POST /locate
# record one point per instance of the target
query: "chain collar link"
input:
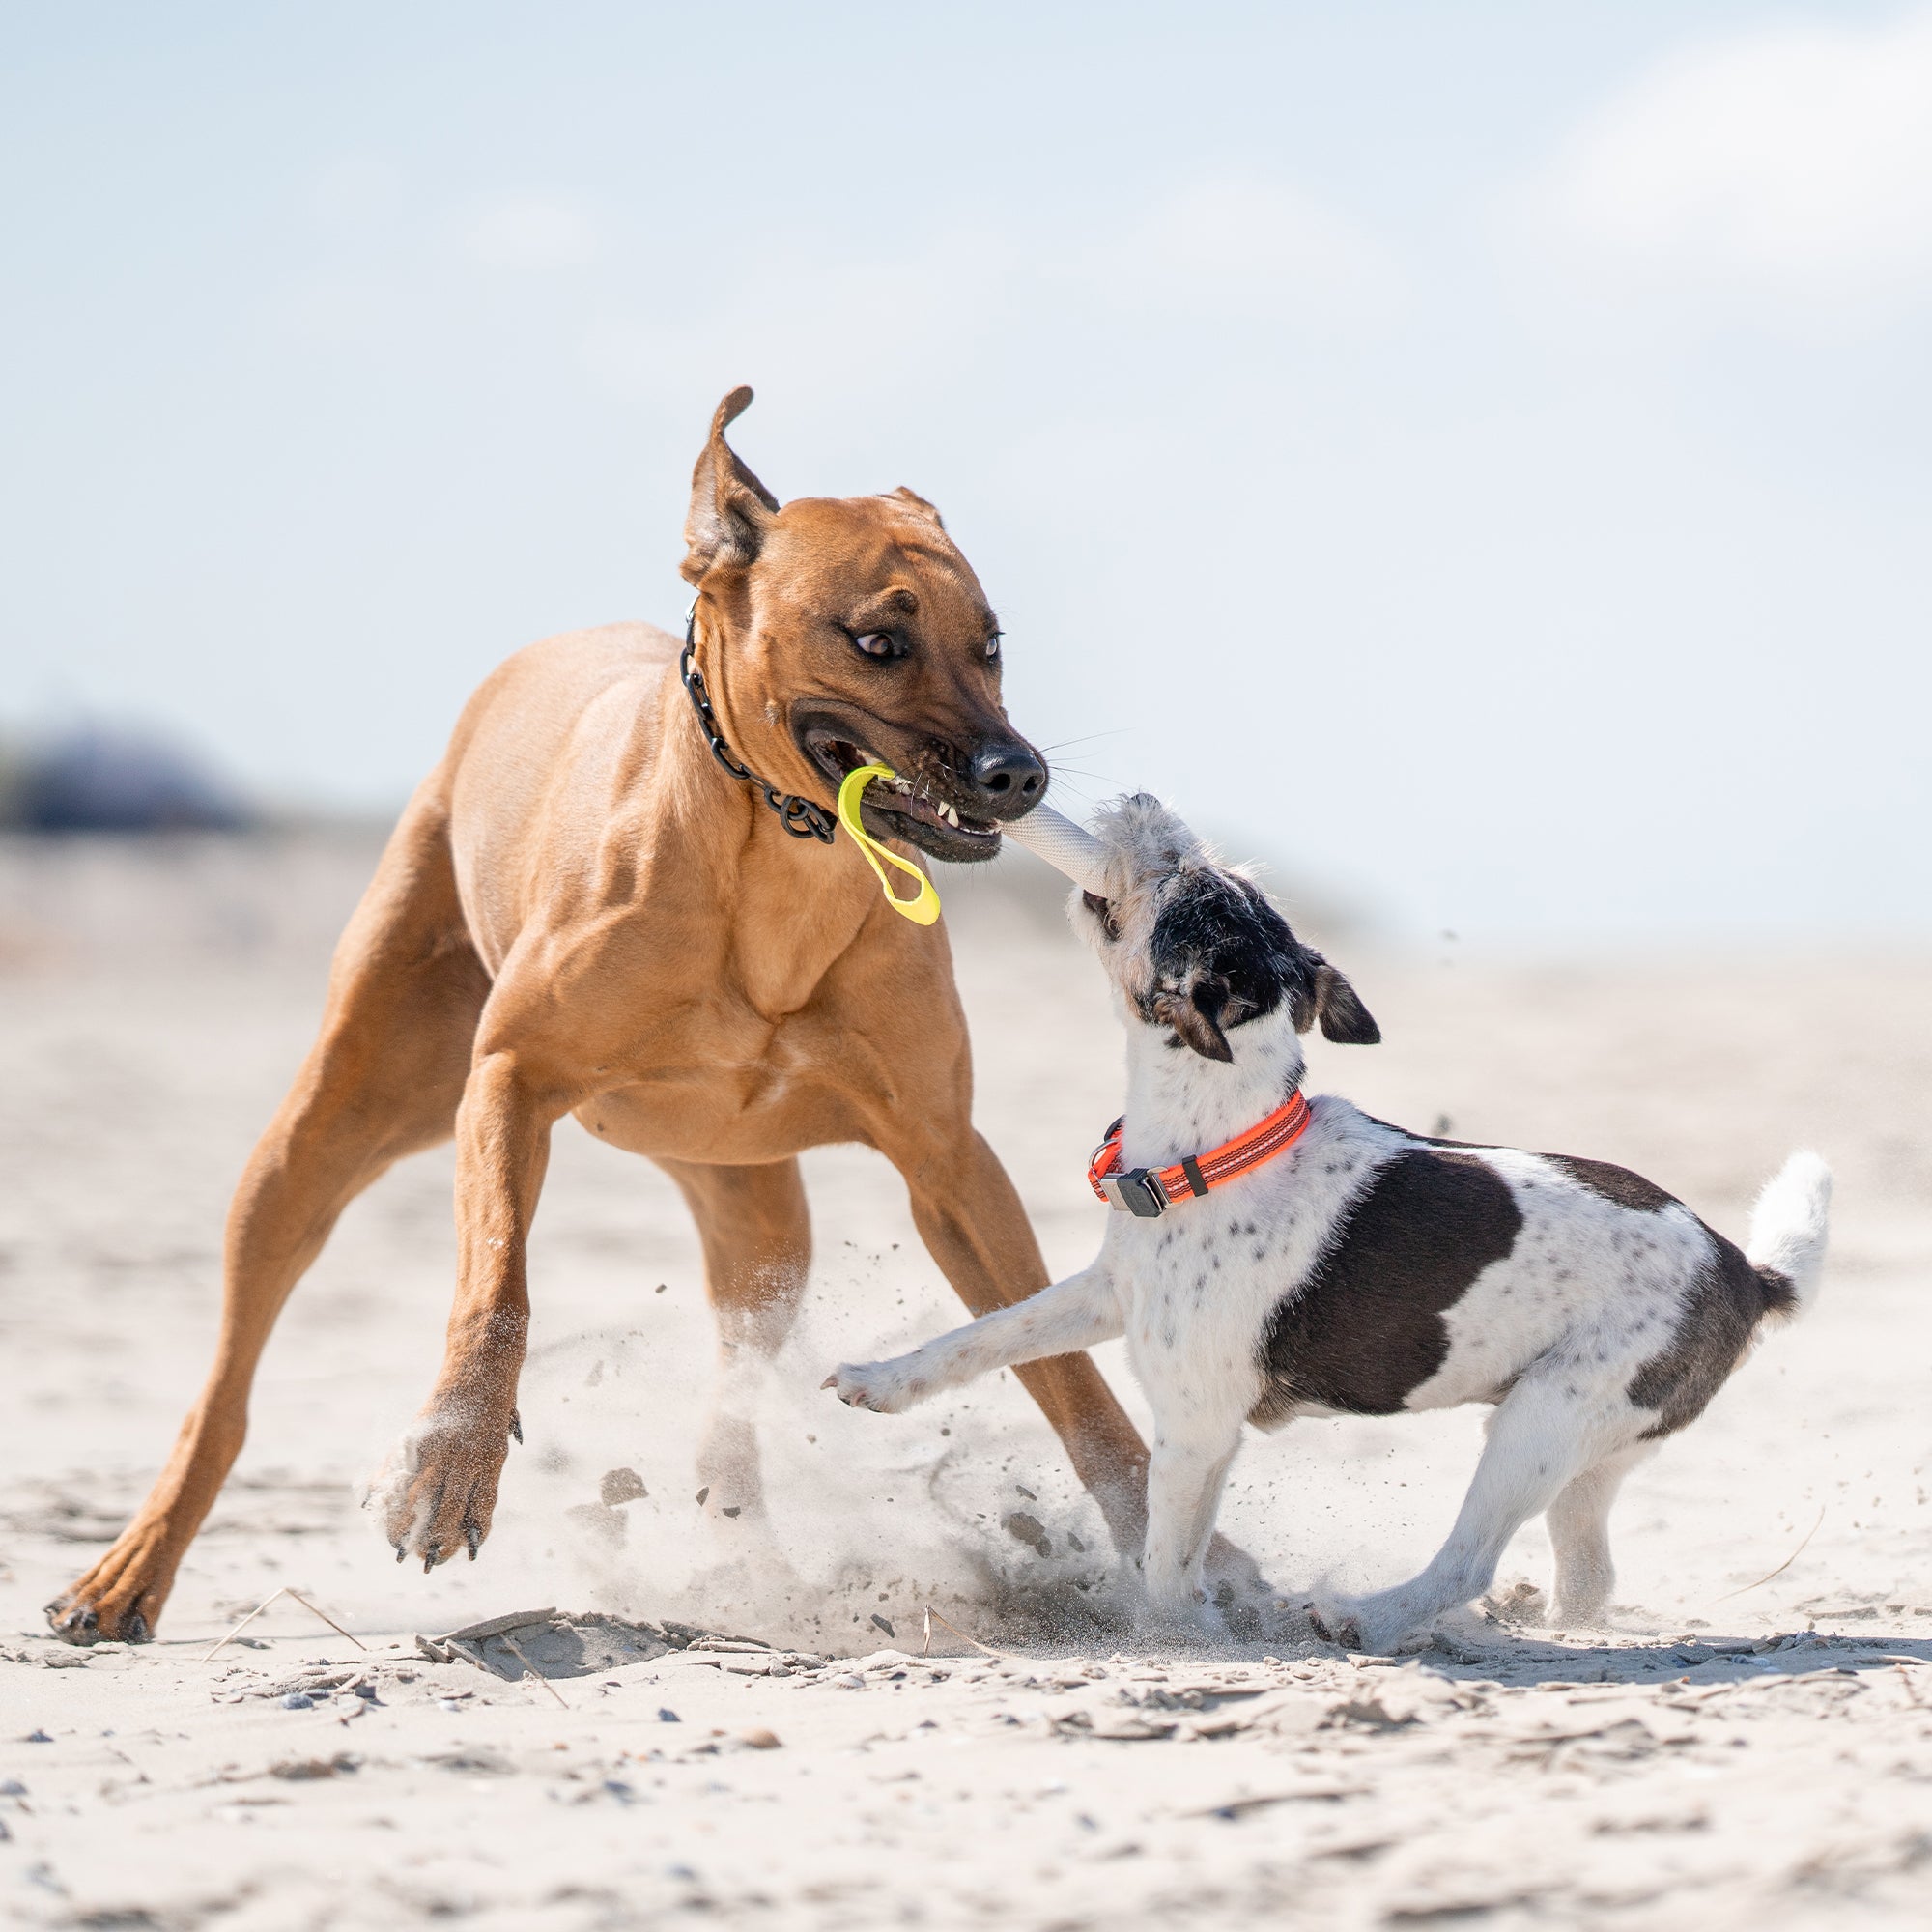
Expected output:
(802, 818)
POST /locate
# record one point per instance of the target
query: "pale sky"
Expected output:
(1477, 456)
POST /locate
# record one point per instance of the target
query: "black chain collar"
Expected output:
(802, 818)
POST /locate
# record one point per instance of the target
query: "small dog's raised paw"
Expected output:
(868, 1386)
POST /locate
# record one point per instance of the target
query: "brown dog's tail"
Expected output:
(1786, 1248)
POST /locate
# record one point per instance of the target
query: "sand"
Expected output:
(1732, 1751)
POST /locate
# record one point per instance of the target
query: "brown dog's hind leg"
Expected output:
(383, 1080)
(756, 1231)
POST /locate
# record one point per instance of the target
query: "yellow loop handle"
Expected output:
(923, 907)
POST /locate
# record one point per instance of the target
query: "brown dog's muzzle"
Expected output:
(1009, 776)
(948, 799)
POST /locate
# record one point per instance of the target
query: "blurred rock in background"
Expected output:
(113, 779)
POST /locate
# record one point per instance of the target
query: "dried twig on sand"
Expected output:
(1782, 1568)
(516, 1651)
(284, 1591)
(933, 1616)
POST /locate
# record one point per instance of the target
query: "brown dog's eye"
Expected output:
(993, 648)
(877, 644)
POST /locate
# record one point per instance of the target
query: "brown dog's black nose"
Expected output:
(1009, 774)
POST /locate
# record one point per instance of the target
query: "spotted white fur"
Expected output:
(1594, 1305)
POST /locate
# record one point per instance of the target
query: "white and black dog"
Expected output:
(1344, 1266)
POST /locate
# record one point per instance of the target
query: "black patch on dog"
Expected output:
(1726, 1303)
(1600, 1177)
(1366, 1327)
(1780, 1294)
(1429, 1139)
(1221, 932)
(1613, 1183)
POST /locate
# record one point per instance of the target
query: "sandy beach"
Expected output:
(753, 1727)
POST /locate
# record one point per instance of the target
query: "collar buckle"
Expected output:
(1137, 1193)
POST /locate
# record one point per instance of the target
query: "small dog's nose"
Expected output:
(1009, 774)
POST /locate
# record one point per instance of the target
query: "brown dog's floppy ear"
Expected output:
(730, 509)
(1191, 1017)
(1342, 1016)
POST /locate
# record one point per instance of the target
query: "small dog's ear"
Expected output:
(1192, 1018)
(1344, 1018)
(730, 509)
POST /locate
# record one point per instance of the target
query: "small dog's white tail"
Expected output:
(1787, 1235)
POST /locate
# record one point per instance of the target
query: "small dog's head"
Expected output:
(849, 631)
(1195, 945)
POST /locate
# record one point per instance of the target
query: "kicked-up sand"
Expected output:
(747, 1724)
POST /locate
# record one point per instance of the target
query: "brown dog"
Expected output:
(582, 911)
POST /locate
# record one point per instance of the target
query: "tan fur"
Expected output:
(580, 912)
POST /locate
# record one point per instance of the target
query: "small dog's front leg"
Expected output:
(884, 1387)
(1072, 1314)
(1184, 1482)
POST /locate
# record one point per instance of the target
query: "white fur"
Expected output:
(1788, 1224)
(1554, 1333)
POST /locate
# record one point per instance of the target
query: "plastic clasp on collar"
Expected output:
(1137, 1191)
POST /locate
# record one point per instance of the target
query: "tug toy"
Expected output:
(1066, 847)
(923, 908)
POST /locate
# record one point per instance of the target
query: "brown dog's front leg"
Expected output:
(442, 1485)
(971, 1220)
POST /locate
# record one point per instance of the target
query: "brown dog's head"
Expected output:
(840, 632)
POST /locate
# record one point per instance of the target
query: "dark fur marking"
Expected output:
(1366, 1325)
(1613, 1183)
(1430, 1140)
(1726, 1303)
(1219, 934)
(1220, 941)
(1781, 1298)
(1600, 1177)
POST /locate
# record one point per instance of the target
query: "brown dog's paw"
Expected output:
(116, 1602)
(438, 1491)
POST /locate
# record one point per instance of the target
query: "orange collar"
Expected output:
(1148, 1191)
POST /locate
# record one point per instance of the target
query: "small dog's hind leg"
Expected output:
(756, 1231)
(1579, 1531)
(1546, 1430)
